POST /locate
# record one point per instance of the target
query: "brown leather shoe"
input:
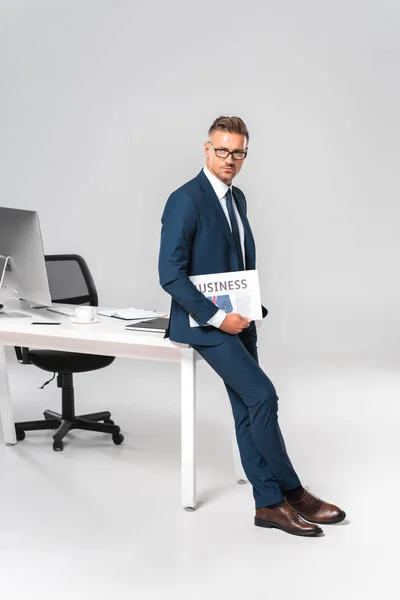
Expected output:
(285, 518)
(316, 510)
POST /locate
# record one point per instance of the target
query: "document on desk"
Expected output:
(129, 314)
(236, 291)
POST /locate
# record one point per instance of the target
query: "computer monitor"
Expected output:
(22, 263)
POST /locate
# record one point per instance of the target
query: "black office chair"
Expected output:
(70, 282)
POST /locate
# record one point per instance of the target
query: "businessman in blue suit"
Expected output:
(205, 230)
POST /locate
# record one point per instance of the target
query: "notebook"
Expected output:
(159, 325)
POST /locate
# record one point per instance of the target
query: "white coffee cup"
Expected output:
(85, 313)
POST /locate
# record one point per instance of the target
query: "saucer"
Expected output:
(76, 322)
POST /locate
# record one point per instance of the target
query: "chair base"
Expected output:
(53, 420)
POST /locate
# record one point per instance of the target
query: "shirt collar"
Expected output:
(219, 187)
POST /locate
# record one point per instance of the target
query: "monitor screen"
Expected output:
(21, 243)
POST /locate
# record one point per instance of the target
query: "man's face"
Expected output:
(225, 168)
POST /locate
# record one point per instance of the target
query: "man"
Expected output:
(205, 230)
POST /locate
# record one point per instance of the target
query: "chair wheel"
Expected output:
(118, 438)
(58, 445)
(20, 433)
(109, 422)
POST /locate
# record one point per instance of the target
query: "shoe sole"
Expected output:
(339, 519)
(271, 525)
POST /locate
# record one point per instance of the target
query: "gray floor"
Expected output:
(100, 521)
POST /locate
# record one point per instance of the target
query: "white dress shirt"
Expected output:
(220, 188)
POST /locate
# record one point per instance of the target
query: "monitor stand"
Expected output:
(4, 260)
(9, 295)
(8, 292)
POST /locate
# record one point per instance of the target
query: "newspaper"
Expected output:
(237, 291)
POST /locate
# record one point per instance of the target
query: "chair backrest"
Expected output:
(70, 280)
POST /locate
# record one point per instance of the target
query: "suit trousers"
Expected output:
(255, 409)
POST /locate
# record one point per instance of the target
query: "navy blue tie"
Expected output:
(235, 229)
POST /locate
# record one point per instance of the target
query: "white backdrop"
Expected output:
(105, 107)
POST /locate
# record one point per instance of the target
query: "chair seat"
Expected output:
(68, 362)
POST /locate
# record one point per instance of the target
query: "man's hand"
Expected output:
(234, 323)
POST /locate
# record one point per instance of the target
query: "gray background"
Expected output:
(105, 107)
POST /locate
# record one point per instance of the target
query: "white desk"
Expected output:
(108, 337)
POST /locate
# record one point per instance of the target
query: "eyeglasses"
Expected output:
(222, 153)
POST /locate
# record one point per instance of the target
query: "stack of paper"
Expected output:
(129, 314)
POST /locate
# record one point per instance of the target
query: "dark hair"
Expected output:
(231, 125)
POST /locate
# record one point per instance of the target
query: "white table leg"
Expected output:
(240, 475)
(6, 412)
(188, 421)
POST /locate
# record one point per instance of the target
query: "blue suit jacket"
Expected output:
(195, 240)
